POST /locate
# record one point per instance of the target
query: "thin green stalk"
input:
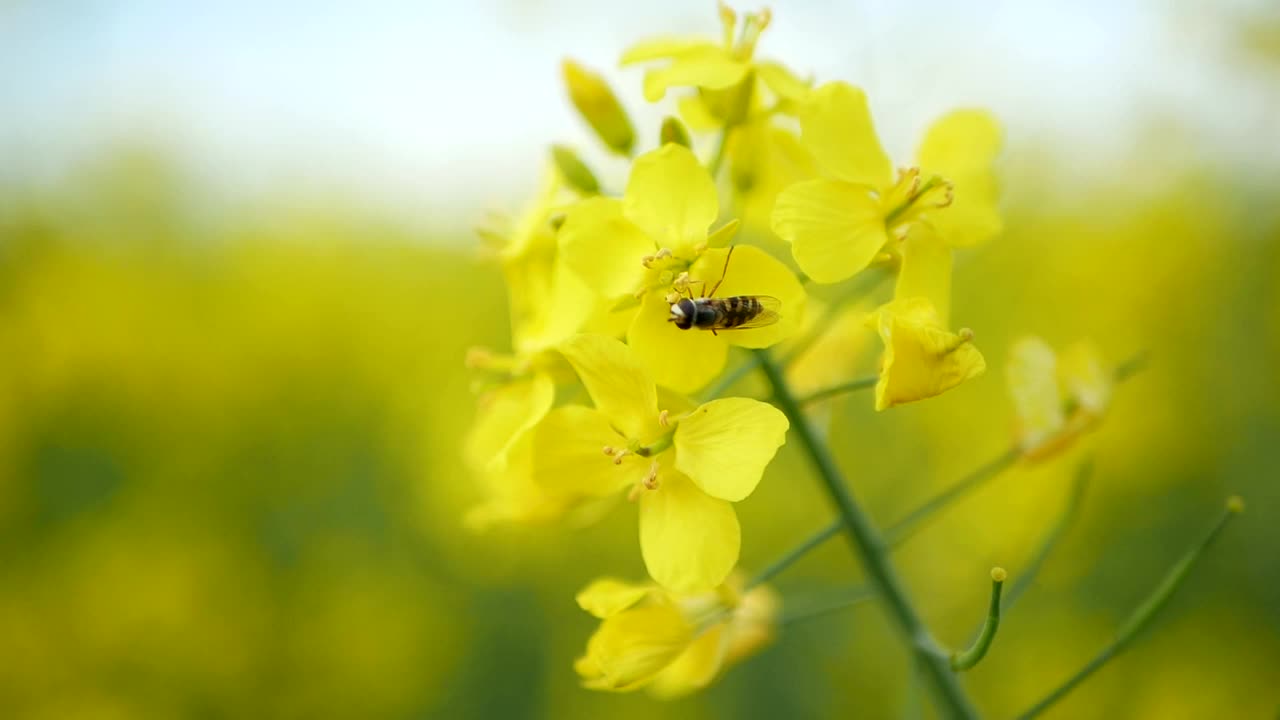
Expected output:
(1143, 615)
(795, 554)
(849, 597)
(727, 380)
(911, 523)
(854, 385)
(863, 284)
(1078, 487)
(717, 159)
(961, 661)
(870, 547)
(895, 534)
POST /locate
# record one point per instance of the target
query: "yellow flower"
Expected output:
(671, 644)
(685, 471)
(714, 66)
(548, 303)
(839, 223)
(1056, 399)
(655, 240)
(921, 357)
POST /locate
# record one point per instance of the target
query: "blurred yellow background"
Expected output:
(231, 483)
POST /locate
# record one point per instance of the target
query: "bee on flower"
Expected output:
(655, 240)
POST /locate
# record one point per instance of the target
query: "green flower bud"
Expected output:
(574, 171)
(674, 131)
(598, 105)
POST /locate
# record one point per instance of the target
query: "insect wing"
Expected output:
(768, 315)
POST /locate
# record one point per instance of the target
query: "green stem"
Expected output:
(862, 285)
(862, 383)
(1143, 615)
(870, 547)
(727, 380)
(908, 525)
(850, 597)
(895, 534)
(1051, 539)
(796, 553)
(717, 159)
(961, 661)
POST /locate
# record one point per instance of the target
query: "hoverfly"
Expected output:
(740, 312)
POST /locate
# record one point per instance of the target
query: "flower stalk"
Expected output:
(961, 661)
(870, 547)
(1145, 613)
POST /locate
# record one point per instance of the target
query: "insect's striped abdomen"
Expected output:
(739, 309)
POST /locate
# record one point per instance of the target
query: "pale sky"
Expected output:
(442, 109)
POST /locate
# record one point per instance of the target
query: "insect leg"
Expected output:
(722, 273)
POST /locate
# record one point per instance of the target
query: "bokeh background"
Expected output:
(237, 283)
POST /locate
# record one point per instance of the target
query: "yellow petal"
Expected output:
(671, 196)
(752, 271)
(666, 47)
(568, 457)
(836, 127)
(511, 494)
(696, 115)
(1085, 378)
(926, 270)
(604, 248)
(1032, 378)
(962, 146)
(835, 228)
(682, 360)
(725, 445)
(568, 307)
(921, 358)
(504, 413)
(616, 382)
(713, 69)
(633, 646)
(609, 596)
(753, 624)
(696, 667)
(689, 539)
(782, 81)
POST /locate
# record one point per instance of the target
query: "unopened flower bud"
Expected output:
(597, 104)
(574, 171)
(674, 131)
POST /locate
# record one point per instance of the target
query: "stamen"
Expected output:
(649, 260)
(963, 336)
(664, 418)
(651, 480)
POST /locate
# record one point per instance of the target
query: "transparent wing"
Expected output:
(769, 313)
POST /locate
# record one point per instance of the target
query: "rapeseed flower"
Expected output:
(921, 357)
(1056, 398)
(655, 241)
(724, 71)
(839, 223)
(683, 470)
(671, 644)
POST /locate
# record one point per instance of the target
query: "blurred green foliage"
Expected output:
(230, 482)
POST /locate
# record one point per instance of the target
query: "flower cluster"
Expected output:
(626, 306)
